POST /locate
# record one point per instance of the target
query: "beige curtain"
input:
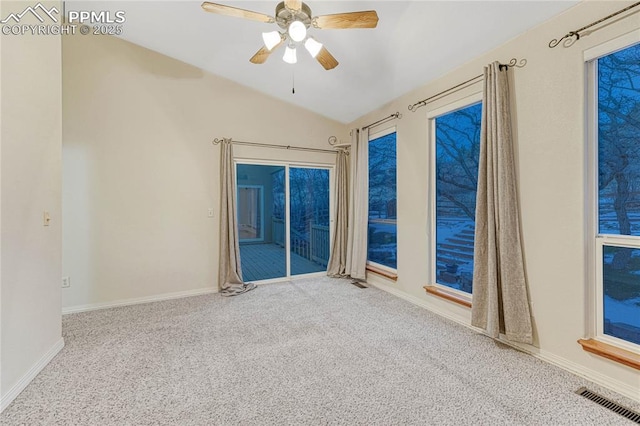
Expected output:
(229, 272)
(358, 206)
(500, 297)
(338, 259)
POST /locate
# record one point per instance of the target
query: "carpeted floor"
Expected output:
(315, 351)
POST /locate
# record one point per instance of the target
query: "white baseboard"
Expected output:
(629, 391)
(137, 300)
(30, 375)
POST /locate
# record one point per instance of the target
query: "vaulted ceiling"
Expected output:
(414, 43)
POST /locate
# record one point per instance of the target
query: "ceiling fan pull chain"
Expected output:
(293, 81)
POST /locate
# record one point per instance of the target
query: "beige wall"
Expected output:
(140, 171)
(30, 169)
(550, 114)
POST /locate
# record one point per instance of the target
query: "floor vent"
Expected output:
(358, 284)
(607, 403)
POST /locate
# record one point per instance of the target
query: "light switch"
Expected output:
(210, 214)
(46, 218)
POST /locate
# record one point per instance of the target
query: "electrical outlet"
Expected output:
(66, 282)
(210, 214)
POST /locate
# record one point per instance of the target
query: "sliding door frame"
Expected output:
(288, 165)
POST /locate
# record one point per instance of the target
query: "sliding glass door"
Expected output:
(283, 220)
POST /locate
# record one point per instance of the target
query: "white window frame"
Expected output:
(596, 241)
(431, 226)
(372, 136)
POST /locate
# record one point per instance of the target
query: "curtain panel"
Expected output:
(229, 271)
(500, 301)
(358, 206)
(337, 266)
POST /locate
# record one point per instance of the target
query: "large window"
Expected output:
(615, 83)
(457, 148)
(382, 235)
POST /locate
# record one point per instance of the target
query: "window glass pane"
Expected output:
(457, 153)
(382, 236)
(261, 221)
(621, 288)
(619, 142)
(309, 198)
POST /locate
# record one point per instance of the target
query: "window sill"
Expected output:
(611, 352)
(379, 271)
(450, 296)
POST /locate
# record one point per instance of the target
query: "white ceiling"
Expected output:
(415, 42)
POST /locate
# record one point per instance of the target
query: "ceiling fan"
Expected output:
(294, 18)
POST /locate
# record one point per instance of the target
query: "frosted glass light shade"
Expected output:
(290, 55)
(297, 31)
(271, 39)
(312, 46)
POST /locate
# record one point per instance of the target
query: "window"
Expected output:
(615, 113)
(382, 232)
(456, 150)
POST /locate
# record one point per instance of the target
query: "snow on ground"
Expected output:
(449, 227)
(622, 311)
(609, 223)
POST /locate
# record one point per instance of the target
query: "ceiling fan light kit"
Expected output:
(312, 46)
(294, 18)
(271, 39)
(290, 55)
(297, 31)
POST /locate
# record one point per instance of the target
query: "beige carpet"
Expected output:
(315, 351)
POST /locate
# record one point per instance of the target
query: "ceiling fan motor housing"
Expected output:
(285, 16)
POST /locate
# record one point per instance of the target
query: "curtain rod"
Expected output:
(216, 141)
(572, 36)
(383, 120)
(513, 63)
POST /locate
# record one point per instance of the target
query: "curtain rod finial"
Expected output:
(572, 37)
(518, 64)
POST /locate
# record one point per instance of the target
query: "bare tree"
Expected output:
(382, 176)
(457, 152)
(619, 140)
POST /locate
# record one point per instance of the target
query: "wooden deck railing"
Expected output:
(277, 231)
(320, 244)
(315, 249)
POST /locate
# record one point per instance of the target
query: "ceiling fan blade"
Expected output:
(262, 55)
(293, 4)
(364, 19)
(221, 9)
(326, 59)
